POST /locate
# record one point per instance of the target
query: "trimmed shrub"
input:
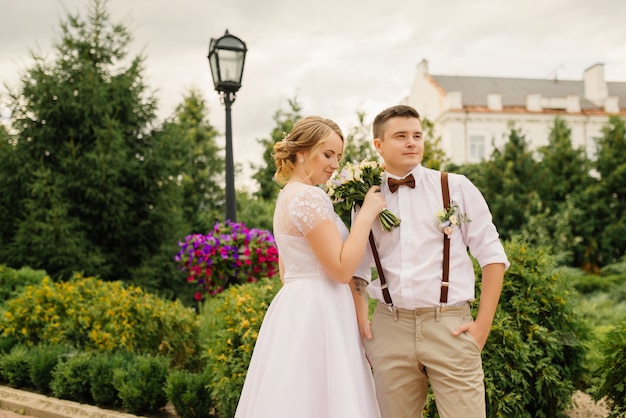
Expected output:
(141, 384)
(230, 325)
(102, 367)
(14, 367)
(104, 316)
(7, 344)
(535, 353)
(42, 360)
(613, 371)
(190, 394)
(70, 378)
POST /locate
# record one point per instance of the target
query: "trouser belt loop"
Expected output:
(438, 310)
(395, 313)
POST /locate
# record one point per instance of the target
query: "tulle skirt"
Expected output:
(308, 361)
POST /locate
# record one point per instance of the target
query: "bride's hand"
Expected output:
(374, 203)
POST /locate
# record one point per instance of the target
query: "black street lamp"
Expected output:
(226, 58)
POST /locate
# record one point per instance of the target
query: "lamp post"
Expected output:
(226, 58)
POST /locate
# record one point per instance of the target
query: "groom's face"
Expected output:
(401, 145)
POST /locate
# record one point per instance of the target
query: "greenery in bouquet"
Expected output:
(349, 185)
(229, 254)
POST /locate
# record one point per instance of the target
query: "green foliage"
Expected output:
(87, 186)
(12, 281)
(563, 172)
(535, 353)
(190, 395)
(196, 156)
(230, 325)
(358, 142)
(14, 367)
(264, 175)
(563, 169)
(605, 200)
(141, 384)
(70, 378)
(103, 316)
(101, 370)
(613, 370)
(255, 211)
(42, 360)
(602, 305)
(434, 156)
(509, 183)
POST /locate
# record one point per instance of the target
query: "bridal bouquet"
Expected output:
(349, 186)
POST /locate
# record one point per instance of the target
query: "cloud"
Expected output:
(336, 56)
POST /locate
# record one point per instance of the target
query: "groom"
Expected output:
(422, 330)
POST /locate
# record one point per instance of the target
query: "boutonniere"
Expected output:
(449, 218)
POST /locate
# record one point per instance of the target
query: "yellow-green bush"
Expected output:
(11, 280)
(230, 325)
(104, 316)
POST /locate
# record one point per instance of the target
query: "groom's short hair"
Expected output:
(399, 111)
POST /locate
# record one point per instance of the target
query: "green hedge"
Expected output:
(534, 356)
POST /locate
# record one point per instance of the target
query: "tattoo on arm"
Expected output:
(359, 286)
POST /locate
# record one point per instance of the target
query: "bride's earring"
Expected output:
(301, 160)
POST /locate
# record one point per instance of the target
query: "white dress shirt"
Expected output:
(412, 254)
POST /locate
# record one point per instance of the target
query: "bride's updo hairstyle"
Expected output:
(308, 134)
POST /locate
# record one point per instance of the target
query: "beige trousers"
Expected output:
(414, 347)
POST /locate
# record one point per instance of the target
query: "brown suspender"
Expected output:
(381, 274)
(443, 299)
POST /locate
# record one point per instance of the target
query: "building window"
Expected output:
(476, 148)
(592, 148)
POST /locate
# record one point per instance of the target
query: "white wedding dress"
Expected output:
(308, 361)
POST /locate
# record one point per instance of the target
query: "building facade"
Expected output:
(474, 114)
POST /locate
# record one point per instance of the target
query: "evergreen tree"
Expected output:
(605, 200)
(200, 167)
(86, 176)
(509, 183)
(563, 169)
(563, 174)
(264, 175)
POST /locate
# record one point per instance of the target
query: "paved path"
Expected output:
(16, 403)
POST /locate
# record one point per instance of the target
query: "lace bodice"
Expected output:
(299, 209)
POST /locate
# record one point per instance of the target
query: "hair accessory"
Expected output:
(285, 136)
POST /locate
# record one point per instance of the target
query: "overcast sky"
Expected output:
(335, 56)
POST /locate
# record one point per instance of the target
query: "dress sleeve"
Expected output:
(309, 208)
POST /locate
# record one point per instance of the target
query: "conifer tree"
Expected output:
(88, 186)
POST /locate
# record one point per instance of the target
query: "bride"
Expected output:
(308, 361)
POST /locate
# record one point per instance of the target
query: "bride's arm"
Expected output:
(341, 258)
(358, 287)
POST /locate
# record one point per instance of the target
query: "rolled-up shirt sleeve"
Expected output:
(480, 235)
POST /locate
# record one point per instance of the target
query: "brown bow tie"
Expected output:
(407, 181)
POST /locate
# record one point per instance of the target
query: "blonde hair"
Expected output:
(308, 134)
